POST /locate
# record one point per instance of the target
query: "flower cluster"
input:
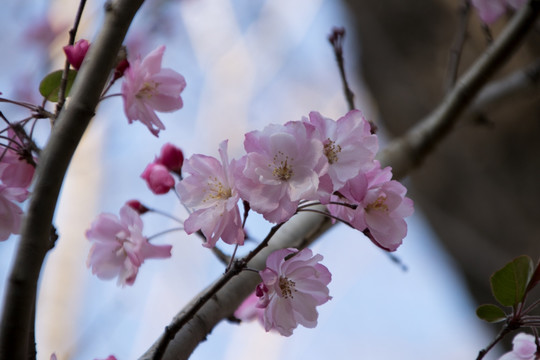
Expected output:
(316, 159)
(16, 174)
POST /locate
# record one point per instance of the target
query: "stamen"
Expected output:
(287, 287)
(331, 150)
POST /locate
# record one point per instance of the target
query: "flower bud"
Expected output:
(76, 53)
(158, 178)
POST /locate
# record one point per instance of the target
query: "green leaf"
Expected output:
(509, 283)
(50, 85)
(490, 313)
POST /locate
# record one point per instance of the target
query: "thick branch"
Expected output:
(403, 155)
(408, 151)
(19, 301)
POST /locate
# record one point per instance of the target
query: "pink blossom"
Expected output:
(210, 190)
(248, 310)
(158, 178)
(53, 356)
(282, 166)
(491, 10)
(292, 288)
(524, 348)
(14, 170)
(148, 88)
(75, 53)
(381, 207)
(119, 247)
(171, 157)
(349, 146)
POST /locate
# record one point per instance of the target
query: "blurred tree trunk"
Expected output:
(480, 188)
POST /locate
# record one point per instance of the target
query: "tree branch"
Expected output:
(407, 152)
(403, 155)
(19, 301)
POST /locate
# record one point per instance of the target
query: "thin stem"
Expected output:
(336, 39)
(164, 232)
(504, 331)
(160, 212)
(63, 82)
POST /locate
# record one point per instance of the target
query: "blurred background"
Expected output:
(249, 63)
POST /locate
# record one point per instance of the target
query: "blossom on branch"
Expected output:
(293, 285)
(147, 87)
(171, 157)
(119, 247)
(524, 348)
(282, 166)
(210, 190)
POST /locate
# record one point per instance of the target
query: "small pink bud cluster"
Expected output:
(158, 173)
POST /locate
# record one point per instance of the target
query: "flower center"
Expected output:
(216, 190)
(378, 205)
(148, 90)
(287, 287)
(282, 170)
(331, 150)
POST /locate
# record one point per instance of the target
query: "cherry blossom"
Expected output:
(524, 348)
(294, 284)
(381, 206)
(75, 53)
(210, 190)
(158, 178)
(147, 87)
(349, 146)
(119, 247)
(282, 166)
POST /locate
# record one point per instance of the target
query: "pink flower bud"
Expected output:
(137, 206)
(172, 158)
(158, 178)
(76, 53)
(120, 68)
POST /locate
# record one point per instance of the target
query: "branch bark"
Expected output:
(17, 314)
(403, 154)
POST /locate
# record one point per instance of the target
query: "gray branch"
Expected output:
(21, 287)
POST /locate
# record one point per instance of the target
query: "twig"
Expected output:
(336, 39)
(64, 80)
(34, 243)
(407, 152)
